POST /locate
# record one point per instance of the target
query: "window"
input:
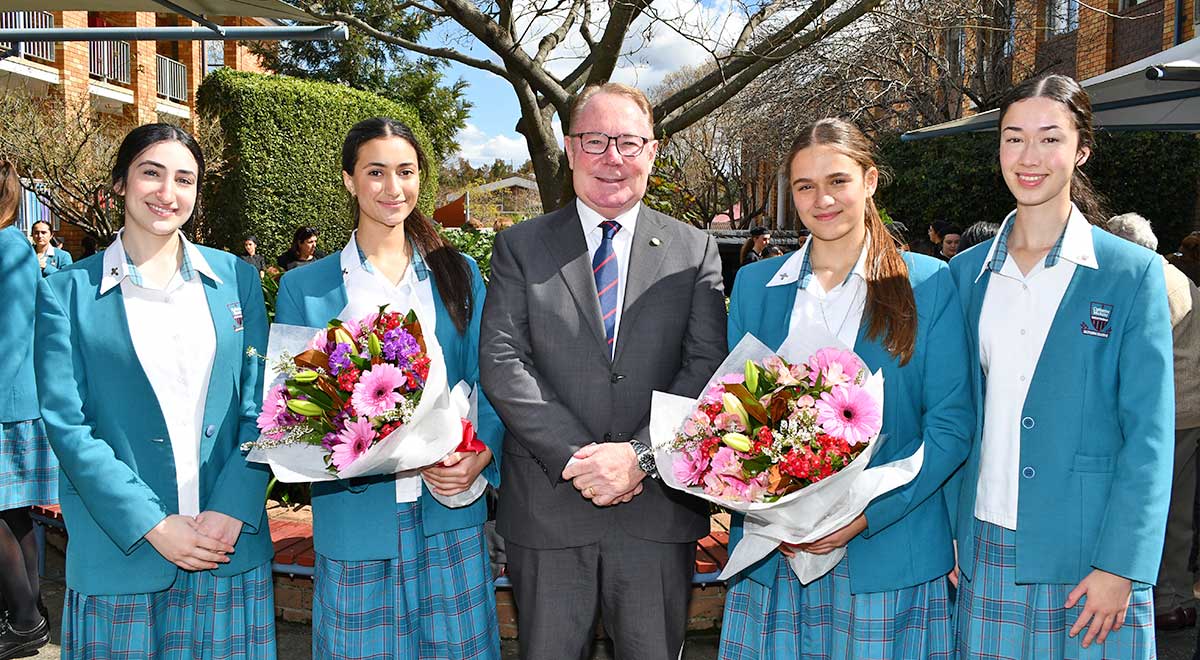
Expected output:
(1130, 4)
(1062, 16)
(1010, 38)
(214, 56)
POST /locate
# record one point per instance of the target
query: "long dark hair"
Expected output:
(1066, 91)
(146, 136)
(449, 268)
(299, 236)
(10, 193)
(891, 310)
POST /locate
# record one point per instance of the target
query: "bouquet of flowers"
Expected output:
(777, 427)
(361, 397)
(784, 437)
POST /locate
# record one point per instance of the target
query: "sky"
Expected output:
(491, 128)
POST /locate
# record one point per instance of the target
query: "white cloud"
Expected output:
(482, 149)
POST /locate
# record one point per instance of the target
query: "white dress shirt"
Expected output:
(622, 243)
(1013, 324)
(839, 310)
(175, 341)
(366, 290)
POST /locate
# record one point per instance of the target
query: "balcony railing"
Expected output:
(172, 80)
(108, 61)
(24, 20)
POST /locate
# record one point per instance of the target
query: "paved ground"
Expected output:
(294, 639)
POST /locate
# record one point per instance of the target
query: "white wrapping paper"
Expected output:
(808, 514)
(434, 431)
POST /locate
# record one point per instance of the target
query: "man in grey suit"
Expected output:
(589, 310)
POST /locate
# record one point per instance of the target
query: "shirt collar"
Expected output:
(1074, 245)
(118, 265)
(590, 219)
(798, 269)
(352, 258)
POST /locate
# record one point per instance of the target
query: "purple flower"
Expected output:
(376, 392)
(399, 345)
(339, 359)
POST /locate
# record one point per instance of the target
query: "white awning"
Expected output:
(209, 8)
(1157, 93)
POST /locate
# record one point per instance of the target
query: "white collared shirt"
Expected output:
(839, 310)
(173, 335)
(1017, 313)
(622, 244)
(367, 289)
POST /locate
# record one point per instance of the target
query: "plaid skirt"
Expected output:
(435, 602)
(28, 469)
(824, 620)
(998, 618)
(201, 617)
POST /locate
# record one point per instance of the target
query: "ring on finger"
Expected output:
(590, 492)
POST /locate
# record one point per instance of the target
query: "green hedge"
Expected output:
(477, 244)
(957, 179)
(283, 140)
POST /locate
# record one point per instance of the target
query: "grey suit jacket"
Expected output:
(545, 367)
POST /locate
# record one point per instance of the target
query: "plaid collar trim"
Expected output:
(1074, 244)
(353, 257)
(118, 265)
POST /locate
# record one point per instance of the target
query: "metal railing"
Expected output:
(172, 80)
(109, 61)
(24, 20)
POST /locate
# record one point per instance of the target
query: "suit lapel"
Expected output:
(224, 310)
(109, 312)
(566, 242)
(645, 261)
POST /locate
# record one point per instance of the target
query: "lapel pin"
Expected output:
(113, 272)
(654, 242)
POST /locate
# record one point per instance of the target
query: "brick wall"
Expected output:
(1189, 26)
(1094, 41)
(1057, 54)
(1139, 32)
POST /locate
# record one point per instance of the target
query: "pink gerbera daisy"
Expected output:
(376, 392)
(274, 405)
(849, 413)
(354, 441)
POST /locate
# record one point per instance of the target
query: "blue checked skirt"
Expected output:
(823, 620)
(436, 602)
(201, 617)
(28, 469)
(998, 618)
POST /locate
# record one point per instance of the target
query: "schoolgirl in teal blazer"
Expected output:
(111, 439)
(345, 509)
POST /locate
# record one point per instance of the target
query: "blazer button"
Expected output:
(156, 439)
(1027, 423)
(210, 430)
(1027, 471)
(615, 378)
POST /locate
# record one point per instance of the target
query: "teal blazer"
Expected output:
(1098, 435)
(355, 520)
(57, 261)
(105, 426)
(18, 289)
(907, 540)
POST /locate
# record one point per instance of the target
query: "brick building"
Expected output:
(143, 81)
(1083, 40)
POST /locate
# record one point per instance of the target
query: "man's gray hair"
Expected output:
(1134, 228)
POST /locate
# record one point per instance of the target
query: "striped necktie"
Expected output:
(604, 269)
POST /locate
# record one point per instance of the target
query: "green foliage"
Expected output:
(666, 194)
(283, 141)
(957, 179)
(478, 244)
(376, 66)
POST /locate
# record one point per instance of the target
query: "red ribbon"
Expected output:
(470, 441)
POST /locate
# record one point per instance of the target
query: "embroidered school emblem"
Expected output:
(1099, 321)
(235, 309)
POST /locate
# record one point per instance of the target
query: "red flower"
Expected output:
(421, 365)
(710, 445)
(391, 321)
(763, 439)
(348, 378)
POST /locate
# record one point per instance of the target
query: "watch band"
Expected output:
(645, 458)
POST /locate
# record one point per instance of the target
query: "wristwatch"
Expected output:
(645, 459)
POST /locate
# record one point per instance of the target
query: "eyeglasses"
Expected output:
(597, 143)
